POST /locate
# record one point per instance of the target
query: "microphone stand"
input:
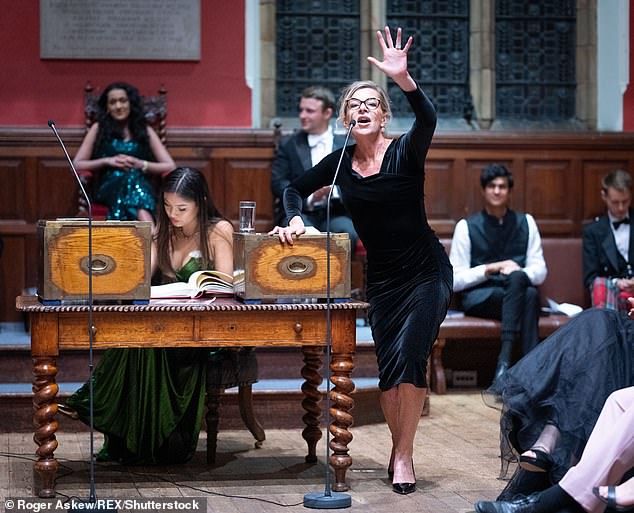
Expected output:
(329, 499)
(92, 498)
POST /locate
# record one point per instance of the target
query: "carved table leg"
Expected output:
(341, 405)
(211, 419)
(45, 407)
(312, 397)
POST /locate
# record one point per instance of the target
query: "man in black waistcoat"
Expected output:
(300, 152)
(608, 246)
(498, 262)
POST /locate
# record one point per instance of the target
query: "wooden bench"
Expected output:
(564, 283)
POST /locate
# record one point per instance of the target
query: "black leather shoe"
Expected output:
(404, 488)
(523, 505)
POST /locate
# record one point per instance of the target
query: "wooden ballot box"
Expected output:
(266, 269)
(120, 261)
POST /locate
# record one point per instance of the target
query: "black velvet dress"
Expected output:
(409, 277)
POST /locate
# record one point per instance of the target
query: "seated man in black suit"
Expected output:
(498, 262)
(300, 152)
(608, 256)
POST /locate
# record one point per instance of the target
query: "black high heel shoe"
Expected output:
(611, 500)
(405, 488)
(541, 462)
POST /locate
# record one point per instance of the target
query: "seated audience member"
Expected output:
(149, 402)
(608, 258)
(303, 150)
(498, 262)
(122, 148)
(553, 396)
(608, 455)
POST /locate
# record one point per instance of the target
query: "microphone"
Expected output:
(91, 329)
(328, 499)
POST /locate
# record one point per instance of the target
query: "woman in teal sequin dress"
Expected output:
(123, 149)
(149, 402)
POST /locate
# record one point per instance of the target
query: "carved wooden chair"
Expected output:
(155, 108)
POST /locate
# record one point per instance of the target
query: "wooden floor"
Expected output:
(456, 462)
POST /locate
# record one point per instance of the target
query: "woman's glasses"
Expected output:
(370, 103)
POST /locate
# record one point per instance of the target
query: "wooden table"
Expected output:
(223, 323)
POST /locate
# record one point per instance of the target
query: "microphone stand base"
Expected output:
(319, 500)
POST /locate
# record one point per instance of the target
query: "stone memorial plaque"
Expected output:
(120, 29)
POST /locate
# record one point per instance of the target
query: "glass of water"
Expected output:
(247, 217)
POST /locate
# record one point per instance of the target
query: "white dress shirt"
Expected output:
(465, 276)
(621, 237)
(320, 146)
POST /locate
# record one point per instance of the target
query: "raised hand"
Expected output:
(394, 63)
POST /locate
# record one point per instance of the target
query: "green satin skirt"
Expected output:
(148, 403)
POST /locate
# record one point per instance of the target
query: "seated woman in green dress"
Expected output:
(149, 402)
(123, 149)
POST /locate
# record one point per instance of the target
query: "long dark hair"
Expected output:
(189, 183)
(109, 129)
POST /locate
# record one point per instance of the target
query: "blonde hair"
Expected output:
(349, 91)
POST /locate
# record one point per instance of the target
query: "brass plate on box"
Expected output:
(297, 267)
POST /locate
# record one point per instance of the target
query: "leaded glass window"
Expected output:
(317, 43)
(439, 58)
(535, 45)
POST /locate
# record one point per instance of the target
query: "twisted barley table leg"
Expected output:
(341, 405)
(45, 407)
(312, 397)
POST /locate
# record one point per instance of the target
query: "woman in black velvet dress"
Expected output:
(409, 275)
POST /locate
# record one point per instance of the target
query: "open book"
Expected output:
(200, 283)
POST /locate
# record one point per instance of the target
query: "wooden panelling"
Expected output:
(593, 172)
(249, 180)
(12, 191)
(557, 179)
(549, 194)
(13, 275)
(438, 178)
(56, 190)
